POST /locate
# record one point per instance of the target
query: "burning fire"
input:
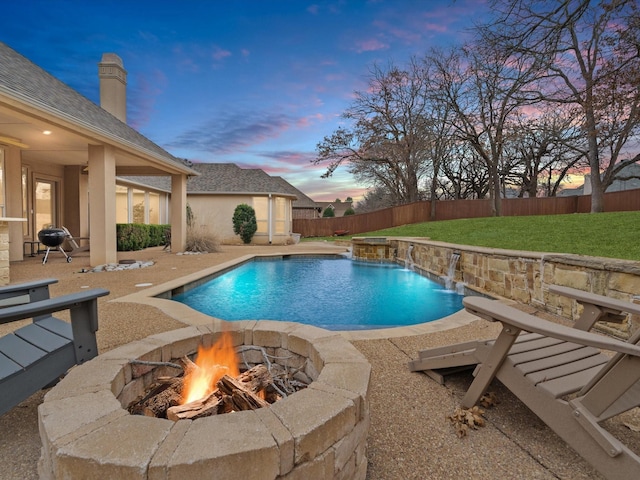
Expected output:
(211, 364)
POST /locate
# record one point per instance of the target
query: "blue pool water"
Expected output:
(332, 293)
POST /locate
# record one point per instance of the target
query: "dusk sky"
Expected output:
(254, 82)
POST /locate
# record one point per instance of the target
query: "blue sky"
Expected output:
(254, 82)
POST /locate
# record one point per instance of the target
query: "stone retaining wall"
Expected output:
(4, 253)
(525, 276)
(319, 432)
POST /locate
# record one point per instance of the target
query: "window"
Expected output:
(154, 208)
(138, 209)
(122, 204)
(138, 206)
(261, 206)
(280, 215)
(45, 196)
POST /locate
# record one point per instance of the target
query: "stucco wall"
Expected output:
(525, 276)
(215, 214)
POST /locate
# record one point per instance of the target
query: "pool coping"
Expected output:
(152, 296)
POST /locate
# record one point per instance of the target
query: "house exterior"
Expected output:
(220, 187)
(338, 207)
(627, 179)
(303, 206)
(60, 155)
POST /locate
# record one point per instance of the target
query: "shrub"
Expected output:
(191, 218)
(244, 222)
(201, 240)
(349, 211)
(328, 212)
(136, 236)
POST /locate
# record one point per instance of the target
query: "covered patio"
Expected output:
(60, 155)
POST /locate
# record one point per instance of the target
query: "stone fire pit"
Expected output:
(317, 433)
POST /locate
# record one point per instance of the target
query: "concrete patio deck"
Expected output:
(410, 437)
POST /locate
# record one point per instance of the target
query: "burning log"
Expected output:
(237, 394)
(196, 409)
(242, 398)
(167, 393)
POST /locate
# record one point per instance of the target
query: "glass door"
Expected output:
(45, 205)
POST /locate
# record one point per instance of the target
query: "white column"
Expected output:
(102, 204)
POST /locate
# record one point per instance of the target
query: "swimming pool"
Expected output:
(335, 293)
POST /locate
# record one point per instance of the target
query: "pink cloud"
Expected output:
(406, 36)
(436, 27)
(370, 45)
(304, 122)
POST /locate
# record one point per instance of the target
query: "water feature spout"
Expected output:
(408, 259)
(451, 272)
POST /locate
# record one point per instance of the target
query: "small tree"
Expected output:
(244, 222)
(349, 211)
(328, 212)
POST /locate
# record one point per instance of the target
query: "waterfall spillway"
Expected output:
(408, 259)
(451, 272)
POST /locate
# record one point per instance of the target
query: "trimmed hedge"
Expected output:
(136, 236)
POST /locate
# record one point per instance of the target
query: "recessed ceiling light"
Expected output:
(47, 132)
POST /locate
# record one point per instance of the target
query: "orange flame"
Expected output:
(211, 364)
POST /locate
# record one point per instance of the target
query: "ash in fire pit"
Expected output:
(318, 432)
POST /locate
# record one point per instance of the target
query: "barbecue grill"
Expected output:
(53, 238)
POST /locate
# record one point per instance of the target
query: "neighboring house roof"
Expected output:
(338, 207)
(26, 82)
(626, 179)
(161, 183)
(223, 178)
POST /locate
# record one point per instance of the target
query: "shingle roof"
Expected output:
(225, 178)
(229, 178)
(25, 81)
(302, 200)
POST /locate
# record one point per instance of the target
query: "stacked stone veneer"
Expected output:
(317, 433)
(374, 249)
(4, 252)
(525, 276)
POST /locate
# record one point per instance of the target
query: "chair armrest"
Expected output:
(581, 296)
(493, 310)
(25, 292)
(51, 305)
(21, 288)
(596, 307)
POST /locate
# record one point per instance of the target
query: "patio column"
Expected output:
(13, 196)
(178, 212)
(102, 204)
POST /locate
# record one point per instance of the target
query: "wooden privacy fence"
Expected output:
(454, 209)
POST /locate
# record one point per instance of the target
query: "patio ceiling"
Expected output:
(66, 145)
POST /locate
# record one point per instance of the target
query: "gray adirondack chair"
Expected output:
(37, 354)
(558, 372)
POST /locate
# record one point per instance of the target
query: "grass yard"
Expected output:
(613, 235)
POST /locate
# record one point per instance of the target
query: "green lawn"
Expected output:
(614, 235)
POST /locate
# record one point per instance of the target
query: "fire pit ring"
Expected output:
(319, 432)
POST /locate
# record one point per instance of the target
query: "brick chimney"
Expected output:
(113, 86)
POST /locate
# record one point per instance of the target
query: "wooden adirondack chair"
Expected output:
(558, 372)
(37, 354)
